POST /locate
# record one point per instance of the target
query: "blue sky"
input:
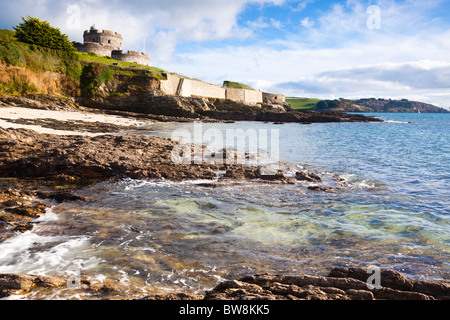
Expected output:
(310, 48)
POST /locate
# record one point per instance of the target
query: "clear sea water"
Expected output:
(158, 235)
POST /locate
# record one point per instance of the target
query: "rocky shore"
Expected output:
(154, 105)
(339, 284)
(36, 167)
(37, 170)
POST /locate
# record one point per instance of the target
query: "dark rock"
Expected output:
(319, 188)
(305, 176)
(255, 287)
(396, 286)
(60, 196)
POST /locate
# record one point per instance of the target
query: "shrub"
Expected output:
(92, 76)
(34, 31)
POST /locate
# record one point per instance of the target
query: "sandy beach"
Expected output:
(10, 115)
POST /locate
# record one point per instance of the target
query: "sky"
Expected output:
(311, 48)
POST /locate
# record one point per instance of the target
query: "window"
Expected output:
(109, 41)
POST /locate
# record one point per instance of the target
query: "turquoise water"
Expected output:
(394, 212)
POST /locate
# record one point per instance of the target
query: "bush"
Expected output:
(41, 33)
(92, 76)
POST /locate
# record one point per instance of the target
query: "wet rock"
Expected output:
(397, 287)
(305, 176)
(319, 188)
(41, 286)
(174, 296)
(60, 196)
(22, 283)
(340, 286)
(359, 294)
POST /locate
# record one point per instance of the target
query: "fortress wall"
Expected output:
(130, 56)
(273, 98)
(206, 90)
(235, 94)
(170, 85)
(95, 48)
(174, 85)
(243, 95)
(185, 88)
(253, 96)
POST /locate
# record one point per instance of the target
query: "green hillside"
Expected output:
(302, 103)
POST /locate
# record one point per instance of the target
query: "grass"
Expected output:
(74, 65)
(303, 103)
(236, 85)
(7, 35)
(121, 67)
(18, 85)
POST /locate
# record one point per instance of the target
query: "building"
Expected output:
(109, 43)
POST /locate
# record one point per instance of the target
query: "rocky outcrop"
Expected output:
(30, 161)
(127, 94)
(307, 176)
(44, 286)
(340, 284)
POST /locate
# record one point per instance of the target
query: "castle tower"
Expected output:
(105, 38)
(109, 43)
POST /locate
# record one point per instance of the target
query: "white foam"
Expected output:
(395, 121)
(32, 253)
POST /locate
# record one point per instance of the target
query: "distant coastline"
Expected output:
(367, 105)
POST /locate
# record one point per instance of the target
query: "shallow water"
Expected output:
(161, 235)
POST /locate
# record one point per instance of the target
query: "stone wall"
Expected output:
(244, 95)
(131, 56)
(253, 96)
(272, 98)
(204, 90)
(174, 85)
(170, 85)
(99, 49)
(235, 94)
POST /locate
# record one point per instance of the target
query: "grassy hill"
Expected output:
(378, 105)
(363, 105)
(27, 68)
(302, 103)
(236, 85)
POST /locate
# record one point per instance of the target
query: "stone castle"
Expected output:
(109, 43)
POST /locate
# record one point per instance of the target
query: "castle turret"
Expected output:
(105, 38)
(109, 43)
(131, 56)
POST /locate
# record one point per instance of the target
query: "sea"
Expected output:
(389, 207)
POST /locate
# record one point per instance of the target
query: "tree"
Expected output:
(41, 33)
(322, 105)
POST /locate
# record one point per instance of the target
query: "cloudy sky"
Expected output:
(309, 48)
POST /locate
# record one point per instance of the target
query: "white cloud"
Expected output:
(164, 24)
(307, 23)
